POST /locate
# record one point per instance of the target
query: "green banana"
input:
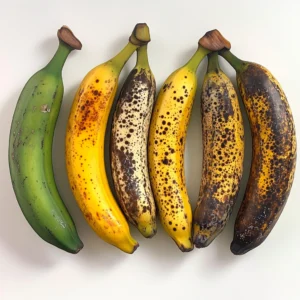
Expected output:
(30, 151)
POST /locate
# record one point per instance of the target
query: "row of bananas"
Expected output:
(147, 149)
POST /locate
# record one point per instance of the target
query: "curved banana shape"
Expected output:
(166, 149)
(85, 147)
(129, 139)
(223, 154)
(273, 154)
(30, 151)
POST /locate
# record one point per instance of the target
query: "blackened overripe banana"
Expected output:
(223, 154)
(273, 153)
(129, 139)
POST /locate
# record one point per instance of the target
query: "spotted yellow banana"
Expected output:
(223, 154)
(85, 147)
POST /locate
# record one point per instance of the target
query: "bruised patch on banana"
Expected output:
(129, 150)
(223, 153)
(273, 158)
(92, 102)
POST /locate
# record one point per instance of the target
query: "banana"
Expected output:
(85, 147)
(168, 129)
(30, 151)
(129, 139)
(273, 153)
(223, 154)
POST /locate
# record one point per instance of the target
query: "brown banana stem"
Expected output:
(66, 35)
(213, 40)
(140, 35)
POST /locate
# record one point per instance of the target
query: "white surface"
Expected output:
(262, 31)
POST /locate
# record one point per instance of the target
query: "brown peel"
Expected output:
(213, 40)
(66, 35)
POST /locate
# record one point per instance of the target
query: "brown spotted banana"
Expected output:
(273, 153)
(129, 162)
(223, 154)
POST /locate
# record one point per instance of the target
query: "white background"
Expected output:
(266, 32)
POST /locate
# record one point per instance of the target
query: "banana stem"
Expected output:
(142, 57)
(57, 62)
(213, 62)
(235, 62)
(121, 58)
(196, 59)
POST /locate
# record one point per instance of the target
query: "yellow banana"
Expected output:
(166, 148)
(85, 147)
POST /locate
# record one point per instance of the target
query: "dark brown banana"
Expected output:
(273, 153)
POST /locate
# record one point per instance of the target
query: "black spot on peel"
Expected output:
(228, 109)
(55, 92)
(96, 93)
(167, 86)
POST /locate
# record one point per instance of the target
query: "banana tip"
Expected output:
(185, 248)
(201, 241)
(213, 40)
(140, 35)
(147, 231)
(238, 249)
(66, 35)
(77, 249)
(150, 235)
(135, 247)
